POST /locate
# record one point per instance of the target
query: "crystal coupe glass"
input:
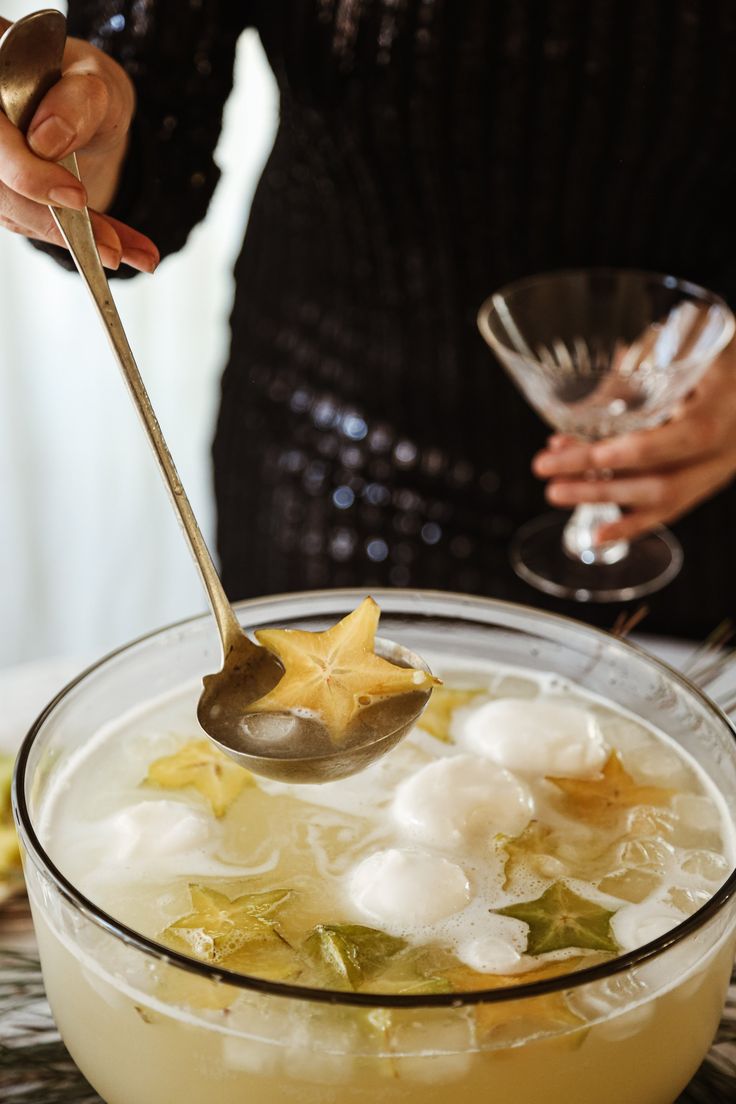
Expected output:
(600, 352)
(148, 1025)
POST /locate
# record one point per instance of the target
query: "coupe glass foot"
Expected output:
(538, 557)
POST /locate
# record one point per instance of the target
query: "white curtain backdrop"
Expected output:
(90, 551)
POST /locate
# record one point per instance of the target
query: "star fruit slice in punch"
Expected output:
(601, 800)
(561, 918)
(219, 926)
(200, 765)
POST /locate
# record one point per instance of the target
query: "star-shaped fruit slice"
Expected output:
(512, 1020)
(334, 674)
(560, 919)
(437, 717)
(272, 959)
(534, 852)
(601, 800)
(546, 1012)
(219, 927)
(200, 764)
(351, 953)
(413, 972)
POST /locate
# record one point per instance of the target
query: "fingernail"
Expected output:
(139, 258)
(109, 257)
(543, 463)
(556, 442)
(67, 197)
(51, 138)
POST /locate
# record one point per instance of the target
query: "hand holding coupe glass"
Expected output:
(607, 357)
(656, 474)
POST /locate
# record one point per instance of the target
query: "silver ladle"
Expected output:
(279, 745)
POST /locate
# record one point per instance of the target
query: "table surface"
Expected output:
(35, 1067)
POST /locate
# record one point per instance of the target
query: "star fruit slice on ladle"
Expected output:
(335, 675)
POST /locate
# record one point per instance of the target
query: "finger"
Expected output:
(718, 377)
(691, 436)
(34, 220)
(110, 257)
(682, 492)
(137, 249)
(32, 177)
(572, 458)
(629, 527)
(115, 240)
(668, 494)
(651, 490)
(69, 116)
(561, 440)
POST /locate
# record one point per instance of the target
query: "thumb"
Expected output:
(69, 116)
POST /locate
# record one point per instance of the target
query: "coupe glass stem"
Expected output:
(578, 538)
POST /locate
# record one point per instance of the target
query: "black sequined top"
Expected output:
(428, 151)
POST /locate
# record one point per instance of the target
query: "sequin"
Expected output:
(379, 439)
(292, 460)
(300, 401)
(113, 25)
(405, 453)
(377, 494)
(343, 497)
(342, 544)
(354, 427)
(377, 550)
(406, 499)
(314, 476)
(324, 414)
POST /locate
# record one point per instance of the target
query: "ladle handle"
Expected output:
(40, 40)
